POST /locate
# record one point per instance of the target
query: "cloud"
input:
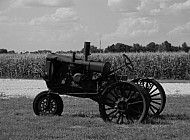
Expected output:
(11, 21)
(43, 3)
(124, 5)
(54, 36)
(134, 27)
(61, 16)
(183, 29)
(152, 5)
(141, 6)
(180, 6)
(180, 34)
(57, 28)
(166, 7)
(61, 25)
(170, 7)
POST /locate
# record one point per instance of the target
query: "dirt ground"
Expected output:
(30, 88)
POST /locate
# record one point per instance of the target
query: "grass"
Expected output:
(81, 120)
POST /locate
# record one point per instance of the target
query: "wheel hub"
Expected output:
(122, 105)
(48, 107)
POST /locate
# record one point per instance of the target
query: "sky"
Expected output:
(30, 25)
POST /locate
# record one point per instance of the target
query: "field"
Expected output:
(158, 65)
(21, 66)
(81, 120)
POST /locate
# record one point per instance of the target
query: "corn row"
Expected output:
(155, 65)
(21, 66)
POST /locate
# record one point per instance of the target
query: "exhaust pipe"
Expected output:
(86, 50)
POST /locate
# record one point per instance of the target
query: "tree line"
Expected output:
(120, 47)
(151, 47)
(5, 51)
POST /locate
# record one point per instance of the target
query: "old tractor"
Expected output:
(120, 101)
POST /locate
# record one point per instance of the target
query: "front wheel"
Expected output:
(46, 103)
(124, 103)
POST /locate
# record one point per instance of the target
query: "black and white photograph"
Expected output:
(94, 69)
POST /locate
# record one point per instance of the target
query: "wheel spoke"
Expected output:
(152, 110)
(112, 101)
(110, 104)
(120, 90)
(133, 95)
(110, 108)
(114, 115)
(129, 95)
(150, 87)
(146, 86)
(153, 91)
(155, 94)
(122, 118)
(112, 112)
(129, 118)
(135, 102)
(118, 93)
(123, 91)
(156, 102)
(156, 99)
(113, 95)
(153, 107)
(120, 114)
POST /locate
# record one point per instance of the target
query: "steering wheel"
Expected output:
(128, 62)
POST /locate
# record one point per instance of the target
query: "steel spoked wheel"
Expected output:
(47, 104)
(157, 95)
(124, 103)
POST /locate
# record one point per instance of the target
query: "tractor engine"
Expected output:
(77, 77)
(85, 82)
(78, 73)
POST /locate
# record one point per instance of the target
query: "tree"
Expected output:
(161, 48)
(185, 48)
(110, 48)
(152, 47)
(3, 51)
(40, 52)
(11, 52)
(167, 46)
(120, 47)
(93, 49)
(137, 47)
(128, 48)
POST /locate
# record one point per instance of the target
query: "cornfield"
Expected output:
(156, 65)
(21, 66)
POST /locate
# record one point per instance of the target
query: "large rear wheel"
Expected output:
(46, 103)
(157, 95)
(124, 103)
